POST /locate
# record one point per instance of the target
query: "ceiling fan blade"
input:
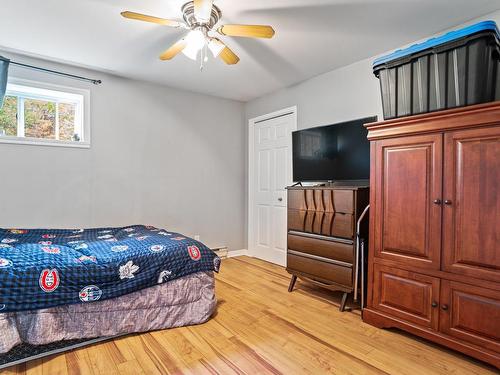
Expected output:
(229, 57)
(249, 31)
(175, 49)
(226, 54)
(203, 10)
(144, 17)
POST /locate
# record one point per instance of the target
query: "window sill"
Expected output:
(43, 142)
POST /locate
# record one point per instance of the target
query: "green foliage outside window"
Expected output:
(39, 119)
(67, 121)
(8, 116)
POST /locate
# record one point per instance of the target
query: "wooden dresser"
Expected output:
(321, 230)
(434, 263)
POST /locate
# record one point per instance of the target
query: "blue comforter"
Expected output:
(41, 268)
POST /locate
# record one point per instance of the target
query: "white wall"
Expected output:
(343, 94)
(159, 156)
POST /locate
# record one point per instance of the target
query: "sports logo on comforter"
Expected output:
(49, 280)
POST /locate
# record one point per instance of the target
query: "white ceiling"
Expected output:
(312, 37)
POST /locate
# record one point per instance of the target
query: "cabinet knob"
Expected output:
(437, 201)
(444, 307)
(448, 202)
(280, 199)
(434, 304)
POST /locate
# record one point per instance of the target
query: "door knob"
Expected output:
(280, 199)
(448, 202)
(434, 304)
(437, 201)
(444, 307)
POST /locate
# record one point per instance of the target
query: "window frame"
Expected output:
(85, 114)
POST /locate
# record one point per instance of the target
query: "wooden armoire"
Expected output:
(434, 260)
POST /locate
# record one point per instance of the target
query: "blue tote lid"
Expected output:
(433, 42)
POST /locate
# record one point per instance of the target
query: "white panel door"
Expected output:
(272, 173)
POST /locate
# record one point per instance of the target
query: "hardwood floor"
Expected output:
(260, 328)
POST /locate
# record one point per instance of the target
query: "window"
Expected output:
(36, 113)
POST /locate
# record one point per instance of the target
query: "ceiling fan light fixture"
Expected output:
(195, 41)
(191, 52)
(215, 47)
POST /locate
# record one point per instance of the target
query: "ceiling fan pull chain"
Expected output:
(206, 52)
(203, 56)
(201, 60)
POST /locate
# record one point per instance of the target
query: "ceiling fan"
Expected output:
(200, 17)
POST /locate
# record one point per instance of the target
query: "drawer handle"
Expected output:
(434, 304)
(444, 307)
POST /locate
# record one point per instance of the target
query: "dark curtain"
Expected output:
(4, 73)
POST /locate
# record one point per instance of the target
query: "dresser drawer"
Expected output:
(323, 223)
(343, 201)
(322, 199)
(343, 226)
(320, 270)
(297, 199)
(323, 248)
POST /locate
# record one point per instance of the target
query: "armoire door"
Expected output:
(471, 211)
(407, 295)
(408, 177)
(471, 313)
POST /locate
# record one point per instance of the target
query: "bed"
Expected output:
(73, 285)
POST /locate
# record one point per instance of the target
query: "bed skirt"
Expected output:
(185, 301)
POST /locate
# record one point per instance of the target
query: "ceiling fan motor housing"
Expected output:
(192, 22)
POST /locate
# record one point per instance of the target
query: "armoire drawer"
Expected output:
(320, 270)
(406, 295)
(322, 247)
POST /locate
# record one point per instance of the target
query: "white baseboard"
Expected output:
(237, 253)
(276, 257)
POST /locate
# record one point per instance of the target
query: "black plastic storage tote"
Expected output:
(456, 69)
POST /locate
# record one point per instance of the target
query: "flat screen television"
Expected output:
(339, 152)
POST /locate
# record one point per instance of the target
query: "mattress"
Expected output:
(185, 301)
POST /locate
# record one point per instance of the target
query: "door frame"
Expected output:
(251, 164)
